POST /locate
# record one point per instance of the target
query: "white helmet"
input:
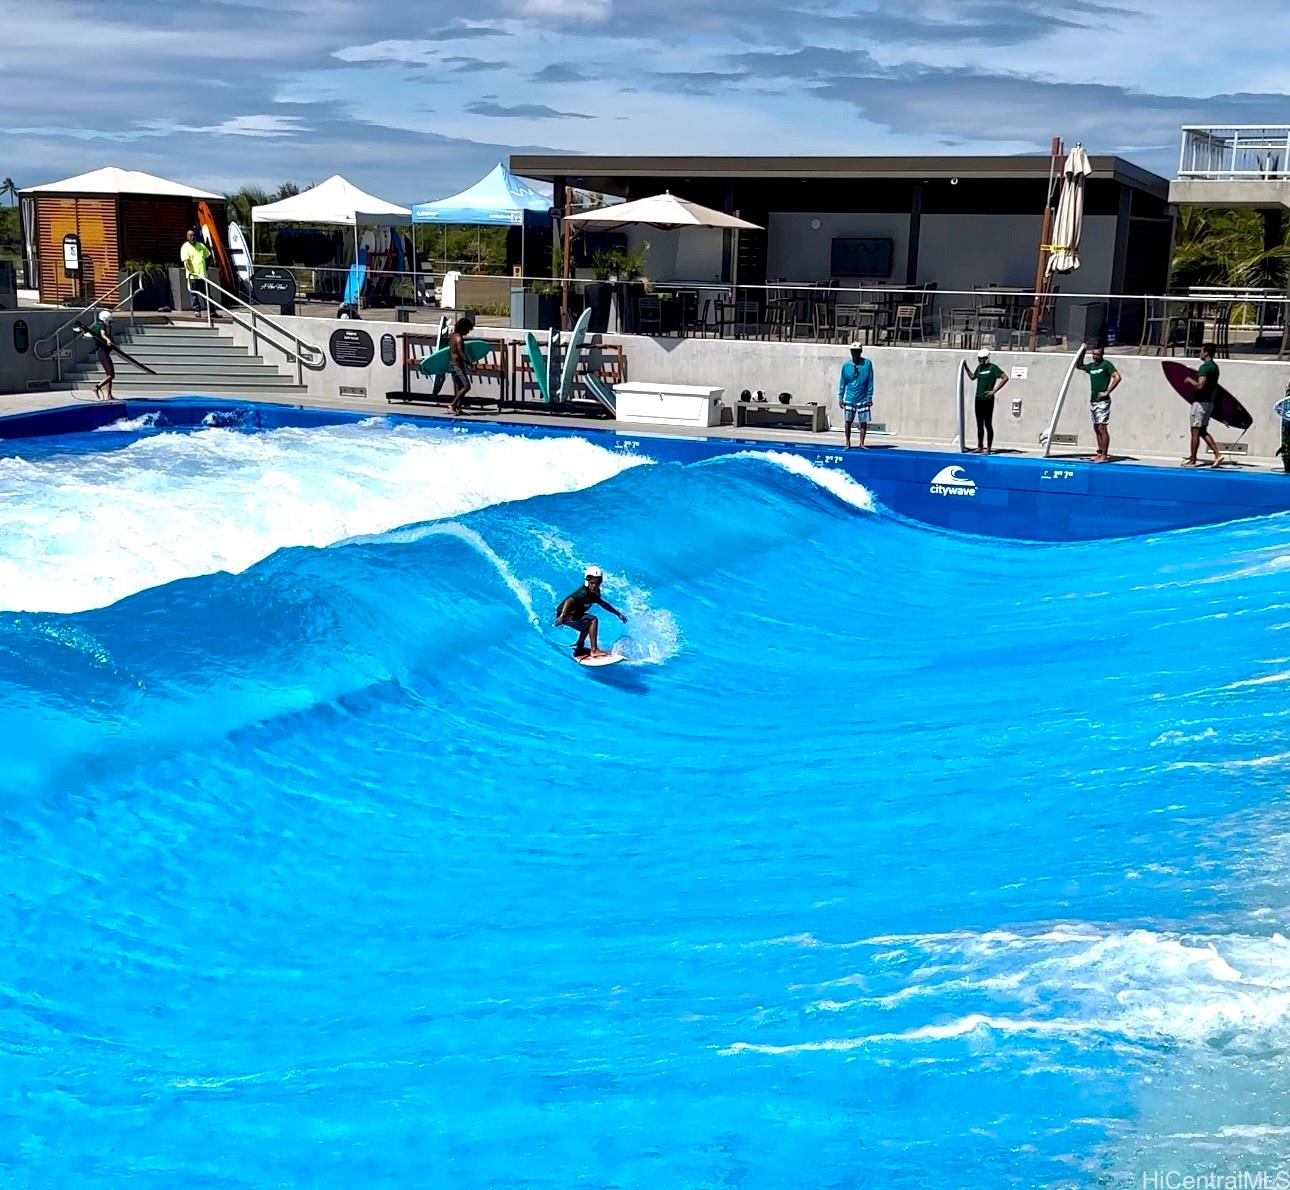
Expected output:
(594, 572)
(105, 315)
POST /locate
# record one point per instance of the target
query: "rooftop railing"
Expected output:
(1235, 152)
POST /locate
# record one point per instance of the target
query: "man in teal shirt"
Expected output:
(1205, 383)
(855, 392)
(1104, 379)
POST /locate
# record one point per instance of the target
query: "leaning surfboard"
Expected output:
(240, 254)
(1282, 409)
(210, 233)
(541, 377)
(1227, 408)
(570, 369)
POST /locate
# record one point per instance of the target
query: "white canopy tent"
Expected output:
(336, 203)
(111, 179)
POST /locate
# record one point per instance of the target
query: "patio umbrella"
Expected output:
(1069, 220)
(664, 211)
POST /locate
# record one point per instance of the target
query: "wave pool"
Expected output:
(891, 856)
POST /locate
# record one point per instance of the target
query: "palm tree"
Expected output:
(1220, 247)
(238, 204)
(8, 187)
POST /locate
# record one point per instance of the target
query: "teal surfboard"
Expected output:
(570, 368)
(437, 362)
(541, 376)
(603, 392)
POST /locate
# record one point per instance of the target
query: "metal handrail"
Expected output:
(56, 337)
(295, 354)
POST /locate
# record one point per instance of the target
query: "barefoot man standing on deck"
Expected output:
(855, 392)
(1202, 408)
(1104, 379)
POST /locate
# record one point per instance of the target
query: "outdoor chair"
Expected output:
(687, 301)
(958, 328)
(908, 320)
(649, 315)
(718, 317)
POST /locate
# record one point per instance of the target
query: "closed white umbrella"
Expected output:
(665, 211)
(1069, 220)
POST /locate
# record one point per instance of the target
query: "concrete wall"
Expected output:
(915, 388)
(796, 252)
(692, 254)
(20, 372)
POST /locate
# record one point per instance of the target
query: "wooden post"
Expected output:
(1045, 236)
(565, 232)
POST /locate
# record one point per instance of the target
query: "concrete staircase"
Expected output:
(188, 358)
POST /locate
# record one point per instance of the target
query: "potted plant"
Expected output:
(606, 268)
(152, 285)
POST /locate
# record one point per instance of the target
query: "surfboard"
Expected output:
(354, 281)
(1227, 408)
(125, 355)
(210, 233)
(552, 368)
(1282, 409)
(1047, 436)
(598, 662)
(439, 338)
(438, 362)
(539, 365)
(570, 368)
(962, 409)
(602, 391)
(240, 255)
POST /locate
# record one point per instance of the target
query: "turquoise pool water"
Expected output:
(893, 856)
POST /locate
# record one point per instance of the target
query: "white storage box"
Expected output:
(668, 404)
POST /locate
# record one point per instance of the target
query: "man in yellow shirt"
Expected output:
(195, 256)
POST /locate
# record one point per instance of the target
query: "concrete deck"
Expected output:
(37, 402)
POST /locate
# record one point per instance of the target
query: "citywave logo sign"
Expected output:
(950, 481)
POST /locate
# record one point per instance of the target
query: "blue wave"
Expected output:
(944, 850)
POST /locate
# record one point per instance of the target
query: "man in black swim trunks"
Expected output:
(101, 332)
(573, 613)
(458, 364)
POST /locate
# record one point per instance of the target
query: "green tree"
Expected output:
(239, 204)
(1219, 247)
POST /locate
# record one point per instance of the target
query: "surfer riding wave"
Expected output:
(574, 613)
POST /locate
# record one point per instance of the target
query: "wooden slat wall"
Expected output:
(95, 221)
(152, 229)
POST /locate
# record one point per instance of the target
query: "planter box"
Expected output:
(668, 404)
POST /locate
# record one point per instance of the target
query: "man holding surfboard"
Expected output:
(1104, 379)
(459, 363)
(574, 613)
(1205, 382)
(100, 331)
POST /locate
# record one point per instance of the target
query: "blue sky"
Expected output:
(416, 101)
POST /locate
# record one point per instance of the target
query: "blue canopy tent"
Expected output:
(499, 198)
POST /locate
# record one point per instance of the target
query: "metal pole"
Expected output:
(565, 233)
(412, 239)
(1041, 269)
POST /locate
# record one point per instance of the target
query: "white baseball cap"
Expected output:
(857, 345)
(984, 353)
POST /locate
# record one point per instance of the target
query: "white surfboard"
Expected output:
(597, 662)
(240, 255)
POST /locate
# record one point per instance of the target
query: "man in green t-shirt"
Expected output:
(989, 379)
(1205, 382)
(1104, 379)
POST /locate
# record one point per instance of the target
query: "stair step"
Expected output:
(201, 388)
(232, 367)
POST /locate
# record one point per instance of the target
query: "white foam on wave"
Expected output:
(1138, 986)
(127, 425)
(837, 483)
(84, 531)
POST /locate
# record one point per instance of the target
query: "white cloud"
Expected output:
(564, 10)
